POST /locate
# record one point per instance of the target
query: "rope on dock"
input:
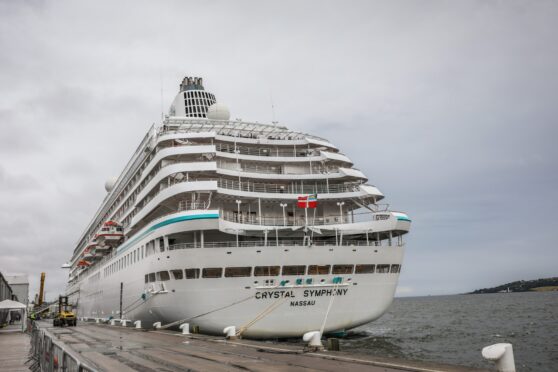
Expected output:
(178, 322)
(261, 315)
(328, 308)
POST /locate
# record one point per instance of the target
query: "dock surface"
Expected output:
(14, 350)
(116, 348)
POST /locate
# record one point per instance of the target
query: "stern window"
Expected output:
(318, 269)
(235, 272)
(212, 272)
(382, 269)
(177, 274)
(395, 269)
(266, 270)
(365, 269)
(163, 276)
(342, 269)
(192, 273)
(294, 270)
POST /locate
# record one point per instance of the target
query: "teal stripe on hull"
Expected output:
(400, 218)
(170, 221)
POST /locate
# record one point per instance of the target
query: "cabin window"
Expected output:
(266, 270)
(395, 269)
(192, 273)
(212, 272)
(177, 274)
(382, 269)
(294, 270)
(162, 244)
(342, 269)
(147, 278)
(318, 269)
(151, 277)
(163, 276)
(364, 269)
(235, 272)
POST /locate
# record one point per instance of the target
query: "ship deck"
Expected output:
(116, 348)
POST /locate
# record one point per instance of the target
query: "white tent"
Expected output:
(9, 305)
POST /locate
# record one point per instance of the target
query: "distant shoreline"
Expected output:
(537, 285)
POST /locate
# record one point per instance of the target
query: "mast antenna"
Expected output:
(273, 121)
(161, 83)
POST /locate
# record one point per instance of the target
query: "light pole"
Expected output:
(238, 202)
(284, 205)
(341, 204)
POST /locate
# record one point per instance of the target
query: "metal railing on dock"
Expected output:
(48, 354)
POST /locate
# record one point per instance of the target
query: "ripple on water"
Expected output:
(454, 329)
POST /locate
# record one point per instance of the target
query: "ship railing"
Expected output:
(268, 152)
(293, 188)
(254, 219)
(276, 169)
(282, 243)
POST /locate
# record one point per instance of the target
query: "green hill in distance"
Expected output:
(537, 285)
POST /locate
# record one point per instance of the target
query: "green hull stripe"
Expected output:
(170, 221)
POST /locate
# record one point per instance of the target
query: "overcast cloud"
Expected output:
(448, 106)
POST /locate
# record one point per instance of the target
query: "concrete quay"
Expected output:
(115, 348)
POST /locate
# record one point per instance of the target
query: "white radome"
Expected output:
(109, 185)
(218, 111)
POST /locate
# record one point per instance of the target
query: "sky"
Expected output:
(449, 107)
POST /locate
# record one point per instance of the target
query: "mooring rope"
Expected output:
(328, 308)
(261, 315)
(178, 322)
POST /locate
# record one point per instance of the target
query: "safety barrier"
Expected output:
(48, 354)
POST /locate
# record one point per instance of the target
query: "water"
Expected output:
(454, 329)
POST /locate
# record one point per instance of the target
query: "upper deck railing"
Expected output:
(284, 243)
(243, 150)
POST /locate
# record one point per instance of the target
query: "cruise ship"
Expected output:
(218, 223)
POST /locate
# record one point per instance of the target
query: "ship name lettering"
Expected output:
(274, 294)
(303, 303)
(325, 292)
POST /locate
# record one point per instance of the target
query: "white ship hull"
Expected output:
(293, 309)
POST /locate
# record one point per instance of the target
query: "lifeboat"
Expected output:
(111, 234)
(88, 253)
(83, 263)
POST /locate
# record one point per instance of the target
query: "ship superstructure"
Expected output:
(222, 222)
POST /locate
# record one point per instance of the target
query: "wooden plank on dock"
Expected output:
(109, 348)
(14, 351)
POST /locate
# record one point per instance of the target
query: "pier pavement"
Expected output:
(14, 349)
(117, 348)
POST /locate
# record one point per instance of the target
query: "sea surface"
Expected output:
(454, 329)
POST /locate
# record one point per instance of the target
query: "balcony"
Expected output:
(253, 219)
(291, 188)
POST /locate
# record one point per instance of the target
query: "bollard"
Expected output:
(157, 325)
(123, 322)
(332, 344)
(185, 327)
(314, 340)
(112, 322)
(97, 320)
(230, 333)
(502, 355)
(137, 323)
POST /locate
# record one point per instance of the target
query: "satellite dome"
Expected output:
(218, 111)
(109, 185)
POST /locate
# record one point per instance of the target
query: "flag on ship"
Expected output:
(308, 201)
